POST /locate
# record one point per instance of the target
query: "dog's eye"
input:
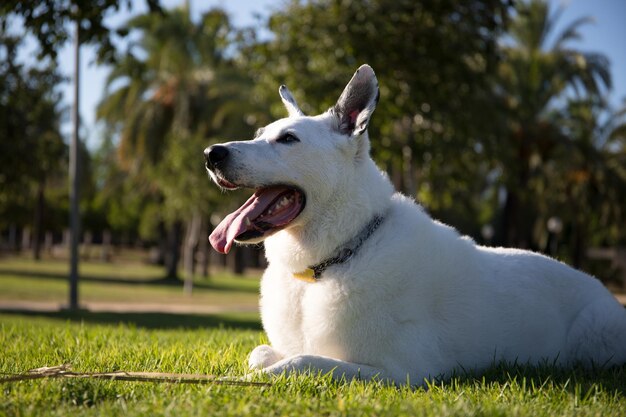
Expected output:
(287, 138)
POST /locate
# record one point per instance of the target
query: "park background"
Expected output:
(505, 119)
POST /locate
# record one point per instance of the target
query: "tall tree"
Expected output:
(47, 21)
(587, 184)
(168, 95)
(31, 146)
(540, 67)
(434, 61)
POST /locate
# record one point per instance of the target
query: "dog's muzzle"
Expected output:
(215, 156)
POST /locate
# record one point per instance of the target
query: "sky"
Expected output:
(607, 35)
(242, 13)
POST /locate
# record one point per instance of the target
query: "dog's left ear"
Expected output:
(290, 102)
(357, 102)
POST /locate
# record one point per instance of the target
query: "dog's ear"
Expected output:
(357, 102)
(290, 103)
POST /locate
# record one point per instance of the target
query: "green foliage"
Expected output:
(486, 114)
(31, 148)
(588, 184)
(553, 158)
(168, 105)
(435, 61)
(48, 21)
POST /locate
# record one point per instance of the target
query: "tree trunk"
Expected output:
(509, 218)
(172, 255)
(38, 223)
(74, 179)
(163, 244)
(48, 243)
(578, 250)
(87, 241)
(235, 260)
(105, 252)
(203, 249)
(517, 229)
(194, 226)
(26, 238)
(13, 237)
(240, 260)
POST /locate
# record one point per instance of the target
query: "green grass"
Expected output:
(124, 282)
(219, 345)
(29, 342)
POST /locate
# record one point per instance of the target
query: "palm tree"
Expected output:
(176, 88)
(590, 193)
(539, 68)
(182, 83)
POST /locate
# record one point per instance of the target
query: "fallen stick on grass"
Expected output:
(64, 371)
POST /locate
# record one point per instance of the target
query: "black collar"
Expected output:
(344, 252)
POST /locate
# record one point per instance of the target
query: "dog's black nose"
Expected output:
(214, 155)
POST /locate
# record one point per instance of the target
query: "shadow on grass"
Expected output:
(169, 282)
(582, 382)
(246, 321)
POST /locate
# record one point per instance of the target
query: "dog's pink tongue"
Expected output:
(242, 219)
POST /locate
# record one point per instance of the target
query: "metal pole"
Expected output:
(74, 178)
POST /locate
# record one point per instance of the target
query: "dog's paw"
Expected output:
(290, 365)
(263, 356)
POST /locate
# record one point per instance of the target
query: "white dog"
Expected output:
(363, 283)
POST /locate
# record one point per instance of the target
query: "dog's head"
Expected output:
(296, 165)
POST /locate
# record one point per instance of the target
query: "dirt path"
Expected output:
(116, 307)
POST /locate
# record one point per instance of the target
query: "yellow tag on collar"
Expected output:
(308, 275)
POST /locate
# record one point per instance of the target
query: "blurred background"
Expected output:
(505, 119)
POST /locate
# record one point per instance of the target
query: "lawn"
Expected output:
(219, 345)
(128, 281)
(29, 342)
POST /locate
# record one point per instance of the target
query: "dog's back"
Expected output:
(542, 305)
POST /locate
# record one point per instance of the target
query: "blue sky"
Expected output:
(607, 35)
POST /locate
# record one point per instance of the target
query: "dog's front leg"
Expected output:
(263, 356)
(339, 369)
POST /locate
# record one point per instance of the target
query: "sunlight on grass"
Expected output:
(127, 282)
(219, 344)
(215, 349)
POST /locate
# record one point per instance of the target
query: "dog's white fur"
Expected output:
(418, 300)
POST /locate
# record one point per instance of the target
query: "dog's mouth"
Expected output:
(269, 210)
(227, 185)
